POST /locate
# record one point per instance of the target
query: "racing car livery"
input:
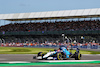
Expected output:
(60, 54)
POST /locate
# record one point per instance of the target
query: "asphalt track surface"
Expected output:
(29, 58)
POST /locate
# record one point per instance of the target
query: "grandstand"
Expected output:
(80, 26)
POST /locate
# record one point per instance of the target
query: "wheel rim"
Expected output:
(79, 57)
(59, 56)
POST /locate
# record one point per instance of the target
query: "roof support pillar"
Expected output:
(0, 22)
(4, 22)
(90, 18)
(20, 21)
(78, 19)
(84, 19)
(30, 21)
(50, 20)
(25, 21)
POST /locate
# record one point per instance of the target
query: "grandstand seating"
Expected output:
(56, 26)
(36, 32)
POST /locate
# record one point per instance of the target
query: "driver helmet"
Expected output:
(60, 48)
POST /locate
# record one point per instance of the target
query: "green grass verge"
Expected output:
(27, 50)
(22, 50)
(47, 63)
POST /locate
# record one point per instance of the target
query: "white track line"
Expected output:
(70, 61)
(91, 54)
(11, 62)
(15, 62)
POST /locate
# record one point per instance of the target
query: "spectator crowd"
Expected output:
(52, 26)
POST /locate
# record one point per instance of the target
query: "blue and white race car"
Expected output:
(60, 54)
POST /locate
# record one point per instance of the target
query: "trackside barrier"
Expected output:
(88, 47)
(51, 46)
(99, 47)
(42, 46)
(85, 47)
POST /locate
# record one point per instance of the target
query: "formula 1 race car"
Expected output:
(60, 54)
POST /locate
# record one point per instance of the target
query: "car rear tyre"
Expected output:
(40, 54)
(59, 56)
(78, 56)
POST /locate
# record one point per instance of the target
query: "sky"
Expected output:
(24, 6)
